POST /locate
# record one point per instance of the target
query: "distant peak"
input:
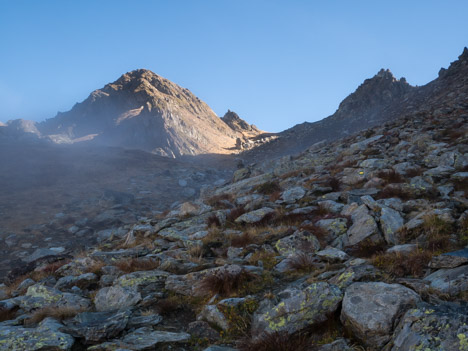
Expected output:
(385, 73)
(464, 55)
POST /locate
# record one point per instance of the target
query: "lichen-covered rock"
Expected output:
(143, 339)
(94, 327)
(337, 345)
(433, 327)
(355, 273)
(364, 226)
(255, 216)
(299, 241)
(116, 297)
(298, 309)
(370, 310)
(449, 281)
(45, 337)
(40, 296)
(143, 280)
(334, 226)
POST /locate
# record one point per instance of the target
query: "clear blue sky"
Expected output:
(276, 63)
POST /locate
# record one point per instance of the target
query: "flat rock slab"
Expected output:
(143, 339)
(40, 296)
(116, 297)
(450, 259)
(370, 310)
(254, 216)
(449, 281)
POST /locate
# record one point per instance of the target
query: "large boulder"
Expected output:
(429, 327)
(370, 310)
(143, 281)
(299, 241)
(45, 337)
(298, 309)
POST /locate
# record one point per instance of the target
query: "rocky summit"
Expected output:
(355, 243)
(142, 110)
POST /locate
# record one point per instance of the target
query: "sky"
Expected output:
(275, 63)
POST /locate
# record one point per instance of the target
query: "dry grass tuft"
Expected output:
(96, 267)
(368, 248)
(334, 183)
(6, 315)
(137, 264)
(301, 262)
(213, 221)
(223, 201)
(235, 213)
(246, 238)
(225, 283)
(267, 258)
(401, 265)
(268, 188)
(59, 313)
(393, 191)
(390, 176)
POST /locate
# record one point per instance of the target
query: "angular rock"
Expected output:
(364, 226)
(450, 259)
(449, 281)
(391, 222)
(299, 308)
(255, 216)
(293, 194)
(116, 297)
(331, 254)
(94, 327)
(334, 226)
(83, 281)
(433, 327)
(370, 310)
(355, 273)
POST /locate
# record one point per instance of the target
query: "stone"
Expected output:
(116, 297)
(364, 226)
(403, 249)
(40, 253)
(143, 280)
(354, 176)
(77, 267)
(144, 321)
(331, 206)
(450, 259)
(439, 172)
(255, 216)
(83, 281)
(374, 163)
(390, 222)
(94, 327)
(299, 241)
(298, 309)
(334, 226)
(370, 310)
(219, 348)
(433, 327)
(45, 337)
(202, 330)
(212, 315)
(293, 194)
(331, 254)
(357, 271)
(40, 296)
(143, 339)
(337, 345)
(449, 281)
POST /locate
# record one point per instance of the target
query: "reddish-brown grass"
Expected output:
(301, 262)
(277, 341)
(390, 176)
(246, 238)
(137, 264)
(225, 283)
(400, 265)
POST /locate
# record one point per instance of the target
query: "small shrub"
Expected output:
(223, 201)
(268, 188)
(225, 283)
(334, 183)
(301, 262)
(414, 172)
(169, 305)
(235, 213)
(213, 221)
(393, 191)
(267, 258)
(368, 248)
